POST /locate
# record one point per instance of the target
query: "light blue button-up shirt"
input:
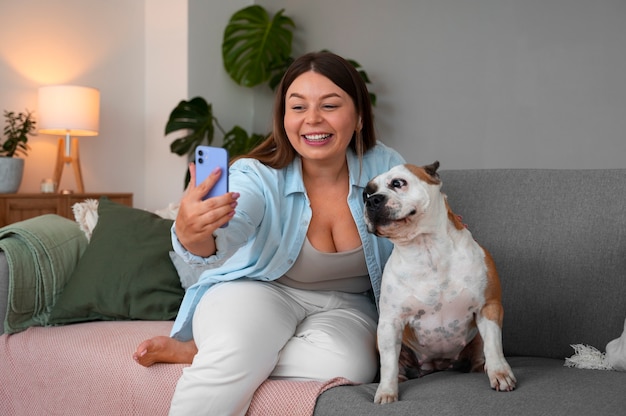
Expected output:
(264, 238)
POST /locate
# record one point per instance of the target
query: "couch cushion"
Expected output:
(125, 272)
(545, 387)
(558, 238)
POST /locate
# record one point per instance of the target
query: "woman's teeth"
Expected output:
(316, 137)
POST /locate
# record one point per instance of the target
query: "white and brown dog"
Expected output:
(440, 302)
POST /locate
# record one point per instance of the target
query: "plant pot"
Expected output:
(11, 171)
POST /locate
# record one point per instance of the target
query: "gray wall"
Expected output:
(232, 105)
(472, 83)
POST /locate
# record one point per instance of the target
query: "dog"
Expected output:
(440, 302)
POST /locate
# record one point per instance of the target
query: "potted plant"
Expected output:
(16, 131)
(196, 116)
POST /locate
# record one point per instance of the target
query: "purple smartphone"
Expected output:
(207, 159)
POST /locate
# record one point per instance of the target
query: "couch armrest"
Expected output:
(4, 288)
(41, 254)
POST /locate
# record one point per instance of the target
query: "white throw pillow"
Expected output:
(86, 215)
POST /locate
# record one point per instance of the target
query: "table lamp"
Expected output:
(68, 110)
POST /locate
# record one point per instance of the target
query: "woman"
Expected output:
(285, 290)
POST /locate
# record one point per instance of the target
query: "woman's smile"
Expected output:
(317, 138)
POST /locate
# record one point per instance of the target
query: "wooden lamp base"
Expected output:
(68, 157)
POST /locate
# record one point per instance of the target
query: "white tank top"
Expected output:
(315, 270)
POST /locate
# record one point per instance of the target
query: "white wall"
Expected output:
(135, 52)
(166, 84)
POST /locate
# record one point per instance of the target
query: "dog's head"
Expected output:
(396, 200)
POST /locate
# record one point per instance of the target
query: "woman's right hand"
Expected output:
(197, 219)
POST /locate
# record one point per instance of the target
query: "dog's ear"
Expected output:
(432, 169)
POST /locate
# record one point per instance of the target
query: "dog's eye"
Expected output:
(398, 183)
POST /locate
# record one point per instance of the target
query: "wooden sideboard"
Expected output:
(19, 207)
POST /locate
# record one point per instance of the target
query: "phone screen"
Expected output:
(207, 159)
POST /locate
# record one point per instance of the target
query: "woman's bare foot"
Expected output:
(163, 349)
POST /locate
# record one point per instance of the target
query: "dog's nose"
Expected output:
(373, 202)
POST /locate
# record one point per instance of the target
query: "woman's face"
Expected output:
(320, 118)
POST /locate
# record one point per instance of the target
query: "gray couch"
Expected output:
(559, 241)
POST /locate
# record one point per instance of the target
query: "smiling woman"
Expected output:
(296, 200)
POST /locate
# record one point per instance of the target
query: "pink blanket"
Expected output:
(87, 369)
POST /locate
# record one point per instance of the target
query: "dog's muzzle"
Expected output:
(376, 212)
(374, 202)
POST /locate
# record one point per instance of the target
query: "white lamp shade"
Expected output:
(69, 109)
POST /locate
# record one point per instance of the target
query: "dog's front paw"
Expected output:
(385, 395)
(501, 377)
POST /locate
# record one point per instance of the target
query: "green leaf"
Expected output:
(238, 142)
(255, 47)
(195, 116)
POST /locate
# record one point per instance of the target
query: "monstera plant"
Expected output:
(196, 116)
(256, 49)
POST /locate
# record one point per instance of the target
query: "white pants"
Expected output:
(247, 331)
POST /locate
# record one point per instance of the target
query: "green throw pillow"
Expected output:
(125, 272)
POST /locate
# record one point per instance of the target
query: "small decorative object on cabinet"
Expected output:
(19, 207)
